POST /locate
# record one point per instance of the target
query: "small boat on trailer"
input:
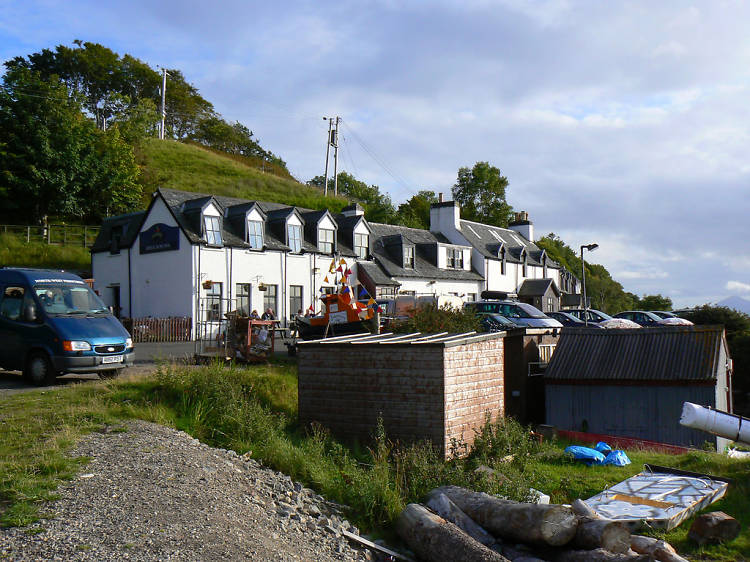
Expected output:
(341, 315)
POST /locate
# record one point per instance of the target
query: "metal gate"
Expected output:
(211, 326)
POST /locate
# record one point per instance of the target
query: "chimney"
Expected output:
(523, 225)
(445, 217)
(440, 197)
(354, 210)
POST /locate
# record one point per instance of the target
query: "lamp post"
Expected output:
(590, 248)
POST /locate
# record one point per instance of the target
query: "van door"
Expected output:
(17, 334)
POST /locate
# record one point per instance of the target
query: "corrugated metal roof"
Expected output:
(679, 353)
(444, 339)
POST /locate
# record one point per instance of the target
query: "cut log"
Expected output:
(602, 533)
(716, 526)
(535, 524)
(599, 555)
(449, 511)
(433, 538)
(659, 549)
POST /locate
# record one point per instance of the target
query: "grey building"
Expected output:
(633, 382)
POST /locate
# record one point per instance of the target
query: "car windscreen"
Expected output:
(509, 310)
(68, 297)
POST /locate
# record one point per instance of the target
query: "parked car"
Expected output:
(496, 323)
(568, 320)
(644, 318)
(52, 323)
(664, 314)
(519, 313)
(594, 316)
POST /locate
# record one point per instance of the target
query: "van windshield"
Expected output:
(68, 298)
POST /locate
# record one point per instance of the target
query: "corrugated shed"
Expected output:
(678, 353)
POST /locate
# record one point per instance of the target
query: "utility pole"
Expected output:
(336, 158)
(328, 151)
(163, 102)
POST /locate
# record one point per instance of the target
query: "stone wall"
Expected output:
(421, 391)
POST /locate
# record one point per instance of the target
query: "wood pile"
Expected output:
(462, 525)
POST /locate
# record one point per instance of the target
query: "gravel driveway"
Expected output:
(153, 493)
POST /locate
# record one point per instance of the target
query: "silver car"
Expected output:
(519, 313)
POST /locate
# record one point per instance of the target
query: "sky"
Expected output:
(624, 124)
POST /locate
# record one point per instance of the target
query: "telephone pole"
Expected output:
(336, 158)
(163, 102)
(332, 141)
(328, 151)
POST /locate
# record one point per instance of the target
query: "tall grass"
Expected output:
(189, 167)
(15, 251)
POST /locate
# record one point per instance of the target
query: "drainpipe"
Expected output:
(130, 289)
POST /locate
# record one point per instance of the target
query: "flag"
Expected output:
(325, 279)
(339, 269)
(342, 262)
(345, 290)
(362, 293)
(348, 272)
(371, 301)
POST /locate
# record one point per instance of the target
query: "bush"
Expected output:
(429, 319)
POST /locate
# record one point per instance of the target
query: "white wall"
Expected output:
(111, 270)
(440, 287)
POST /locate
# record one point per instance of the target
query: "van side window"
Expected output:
(12, 303)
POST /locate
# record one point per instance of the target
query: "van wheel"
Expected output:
(109, 374)
(39, 370)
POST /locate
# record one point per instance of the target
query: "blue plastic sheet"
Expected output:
(617, 458)
(585, 454)
(603, 448)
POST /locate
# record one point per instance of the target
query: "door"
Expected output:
(17, 334)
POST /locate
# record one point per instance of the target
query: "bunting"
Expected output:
(362, 293)
(340, 269)
(348, 272)
(326, 279)
(342, 261)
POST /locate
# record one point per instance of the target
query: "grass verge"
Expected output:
(256, 410)
(17, 252)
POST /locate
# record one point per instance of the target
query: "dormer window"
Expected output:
(294, 232)
(255, 234)
(362, 245)
(408, 257)
(325, 240)
(212, 227)
(455, 258)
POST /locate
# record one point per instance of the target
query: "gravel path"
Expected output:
(153, 493)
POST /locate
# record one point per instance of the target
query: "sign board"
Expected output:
(160, 238)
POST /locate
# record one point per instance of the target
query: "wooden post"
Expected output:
(65, 234)
(84, 236)
(28, 234)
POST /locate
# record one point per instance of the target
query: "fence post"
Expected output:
(84, 236)
(28, 234)
(65, 234)
(49, 234)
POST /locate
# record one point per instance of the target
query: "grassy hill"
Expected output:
(190, 167)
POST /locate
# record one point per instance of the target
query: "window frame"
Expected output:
(454, 258)
(358, 238)
(243, 294)
(213, 302)
(295, 243)
(212, 235)
(296, 301)
(255, 239)
(271, 290)
(408, 257)
(323, 243)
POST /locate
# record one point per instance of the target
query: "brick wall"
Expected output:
(421, 391)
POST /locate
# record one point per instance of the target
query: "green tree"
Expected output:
(54, 160)
(653, 302)
(415, 213)
(480, 191)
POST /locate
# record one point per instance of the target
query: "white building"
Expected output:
(199, 256)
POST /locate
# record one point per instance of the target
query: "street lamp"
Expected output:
(590, 248)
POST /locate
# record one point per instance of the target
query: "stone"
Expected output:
(716, 526)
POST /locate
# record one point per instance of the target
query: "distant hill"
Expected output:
(190, 167)
(737, 303)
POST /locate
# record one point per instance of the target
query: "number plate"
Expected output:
(112, 359)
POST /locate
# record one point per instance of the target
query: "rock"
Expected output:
(716, 526)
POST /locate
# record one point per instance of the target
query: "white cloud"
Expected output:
(738, 287)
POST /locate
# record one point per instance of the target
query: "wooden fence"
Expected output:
(159, 329)
(56, 234)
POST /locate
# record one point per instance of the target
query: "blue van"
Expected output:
(52, 323)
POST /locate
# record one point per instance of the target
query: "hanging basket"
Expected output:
(208, 284)
(262, 287)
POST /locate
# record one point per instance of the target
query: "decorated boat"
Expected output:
(341, 312)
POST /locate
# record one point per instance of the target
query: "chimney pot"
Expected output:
(440, 197)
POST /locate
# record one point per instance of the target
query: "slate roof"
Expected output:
(130, 222)
(376, 274)
(677, 353)
(488, 239)
(425, 265)
(537, 287)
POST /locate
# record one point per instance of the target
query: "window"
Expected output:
(455, 258)
(409, 257)
(550, 304)
(255, 234)
(114, 239)
(294, 232)
(362, 245)
(471, 297)
(325, 240)
(244, 301)
(213, 303)
(269, 298)
(212, 226)
(295, 299)
(12, 304)
(385, 292)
